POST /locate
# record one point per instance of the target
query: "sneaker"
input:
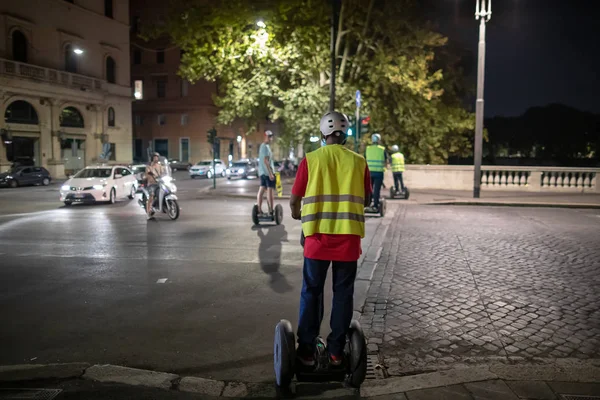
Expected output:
(306, 356)
(336, 361)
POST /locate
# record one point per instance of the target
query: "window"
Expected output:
(137, 57)
(113, 152)
(161, 146)
(138, 89)
(108, 8)
(138, 120)
(184, 119)
(184, 87)
(135, 24)
(111, 70)
(111, 116)
(19, 46)
(21, 112)
(161, 119)
(71, 117)
(70, 60)
(161, 87)
(160, 57)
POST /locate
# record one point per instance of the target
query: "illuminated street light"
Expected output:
(314, 139)
(78, 51)
(483, 14)
(261, 24)
(239, 139)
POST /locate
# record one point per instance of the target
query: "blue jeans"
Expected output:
(398, 178)
(311, 303)
(376, 182)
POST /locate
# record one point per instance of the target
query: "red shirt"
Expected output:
(322, 246)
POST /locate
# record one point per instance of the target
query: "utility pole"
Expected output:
(335, 20)
(483, 14)
(357, 136)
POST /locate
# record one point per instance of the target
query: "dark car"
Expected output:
(242, 169)
(175, 164)
(23, 176)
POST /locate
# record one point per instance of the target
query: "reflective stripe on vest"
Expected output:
(398, 162)
(334, 199)
(375, 158)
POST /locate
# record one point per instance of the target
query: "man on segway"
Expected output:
(398, 168)
(335, 185)
(266, 171)
(377, 158)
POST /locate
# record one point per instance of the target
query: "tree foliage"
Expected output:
(281, 70)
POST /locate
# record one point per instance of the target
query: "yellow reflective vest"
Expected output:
(375, 156)
(398, 162)
(335, 192)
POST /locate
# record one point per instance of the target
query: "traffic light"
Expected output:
(365, 121)
(212, 134)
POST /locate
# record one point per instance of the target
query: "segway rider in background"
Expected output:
(397, 167)
(266, 170)
(377, 158)
(153, 172)
(335, 184)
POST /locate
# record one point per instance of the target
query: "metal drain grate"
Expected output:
(372, 361)
(578, 397)
(29, 394)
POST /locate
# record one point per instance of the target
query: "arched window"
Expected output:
(71, 117)
(19, 46)
(111, 70)
(111, 116)
(70, 60)
(21, 112)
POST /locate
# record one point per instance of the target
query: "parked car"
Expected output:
(175, 164)
(22, 176)
(106, 183)
(242, 169)
(139, 171)
(205, 169)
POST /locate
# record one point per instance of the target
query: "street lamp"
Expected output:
(483, 14)
(77, 51)
(261, 24)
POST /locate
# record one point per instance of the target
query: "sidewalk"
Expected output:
(444, 197)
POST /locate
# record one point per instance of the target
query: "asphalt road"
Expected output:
(101, 284)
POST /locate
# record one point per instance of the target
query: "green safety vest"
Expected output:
(375, 156)
(398, 162)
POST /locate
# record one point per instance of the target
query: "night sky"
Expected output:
(538, 51)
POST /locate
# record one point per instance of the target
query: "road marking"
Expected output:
(29, 213)
(161, 280)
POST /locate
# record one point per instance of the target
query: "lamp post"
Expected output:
(483, 14)
(335, 20)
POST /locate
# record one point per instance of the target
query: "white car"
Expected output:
(106, 183)
(205, 169)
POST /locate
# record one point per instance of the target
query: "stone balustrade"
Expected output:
(509, 178)
(48, 75)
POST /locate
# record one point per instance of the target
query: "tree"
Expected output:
(280, 69)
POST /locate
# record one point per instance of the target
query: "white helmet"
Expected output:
(268, 133)
(334, 122)
(376, 138)
(395, 148)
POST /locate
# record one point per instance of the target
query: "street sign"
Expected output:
(358, 98)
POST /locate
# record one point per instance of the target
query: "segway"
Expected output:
(277, 215)
(381, 210)
(398, 194)
(353, 369)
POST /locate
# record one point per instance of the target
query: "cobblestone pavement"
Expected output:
(475, 284)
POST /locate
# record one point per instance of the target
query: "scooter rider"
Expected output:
(335, 184)
(397, 167)
(153, 171)
(377, 158)
(266, 170)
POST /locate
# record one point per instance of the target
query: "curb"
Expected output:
(512, 204)
(566, 370)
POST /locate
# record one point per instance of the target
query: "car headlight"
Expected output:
(99, 187)
(228, 171)
(252, 169)
(65, 187)
(9, 177)
(241, 170)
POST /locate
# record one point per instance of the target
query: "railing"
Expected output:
(530, 179)
(34, 72)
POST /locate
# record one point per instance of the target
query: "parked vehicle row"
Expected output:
(25, 175)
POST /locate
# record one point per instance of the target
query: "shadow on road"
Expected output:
(269, 254)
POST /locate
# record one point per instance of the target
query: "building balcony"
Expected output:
(35, 73)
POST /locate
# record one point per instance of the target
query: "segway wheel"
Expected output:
(284, 353)
(358, 355)
(278, 214)
(255, 214)
(407, 194)
(382, 208)
(392, 192)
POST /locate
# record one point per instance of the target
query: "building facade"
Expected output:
(172, 116)
(65, 93)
